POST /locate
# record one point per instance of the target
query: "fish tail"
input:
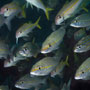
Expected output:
(36, 23)
(66, 61)
(23, 11)
(47, 12)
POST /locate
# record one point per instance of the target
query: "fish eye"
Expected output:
(6, 9)
(39, 67)
(58, 16)
(49, 45)
(75, 21)
(82, 72)
(25, 49)
(22, 82)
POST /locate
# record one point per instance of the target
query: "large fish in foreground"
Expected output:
(26, 28)
(44, 66)
(83, 45)
(11, 10)
(39, 4)
(69, 10)
(82, 20)
(27, 82)
(53, 41)
(83, 72)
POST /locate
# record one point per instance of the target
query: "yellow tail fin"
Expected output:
(36, 23)
(66, 61)
(23, 11)
(47, 12)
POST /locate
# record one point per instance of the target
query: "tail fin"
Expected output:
(47, 12)
(36, 23)
(23, 11)
(66, 61)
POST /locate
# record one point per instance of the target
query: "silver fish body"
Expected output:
(83, 45)
(29, 49)
(26, 82)
(83, 72)
(44, 66)
(53, 41)
(80, 21)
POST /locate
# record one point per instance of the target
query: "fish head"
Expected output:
(19, 34)
(24, 51)
(46, 48)
(6, 11)
(38, 71)
(79, 48)
(59, 19)
(81, 74)
(20, 84)
(75, 23)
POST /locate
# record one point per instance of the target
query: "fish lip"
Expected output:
(77, 77)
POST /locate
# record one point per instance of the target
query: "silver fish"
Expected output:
(83, 72)
(82, 20)
(44, 66)
(27, 82)
(83, 45)
(53, 41)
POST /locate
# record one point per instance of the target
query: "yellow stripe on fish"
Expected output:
(50, 45)
(41, 68)
(70, 7)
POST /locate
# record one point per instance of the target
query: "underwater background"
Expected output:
(9, 76)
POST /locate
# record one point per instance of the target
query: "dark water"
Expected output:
(8, 76)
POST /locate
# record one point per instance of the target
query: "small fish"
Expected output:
(26, 28)
(29, 49)
(4, 49)
(83, 45)
(83, 72)
(39, 4)
(4, 87)
(79, 34)
(13, 59)
(53, 41)
(82, 20)
(27, 82)
(11, 10)
(68, 10)
(59, 67)
(44, 66)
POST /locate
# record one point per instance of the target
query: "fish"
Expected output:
(27, 82)
(26, 28)
(13, 59)
(69, 10)
(4, 87)
(4, 49)
(59, 68)
(83, 71)
(81, 21)
(44, 66)
(39, 4)
(83, 45)
(79, 34)
(11, 10)
(53, 41)
(29, 49)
